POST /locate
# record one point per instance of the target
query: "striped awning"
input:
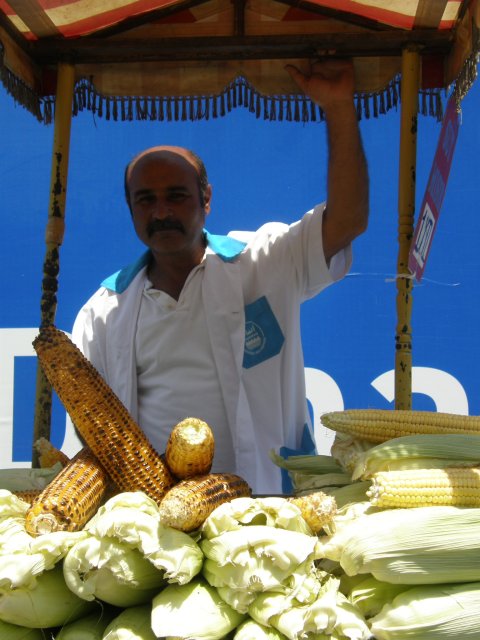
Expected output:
(192, 59)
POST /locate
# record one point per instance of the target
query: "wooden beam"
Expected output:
(34, 17)
(92, 50)
(429, 14)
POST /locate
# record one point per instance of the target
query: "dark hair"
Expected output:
(199, 165)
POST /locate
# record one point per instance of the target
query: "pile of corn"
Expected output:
(405, 539)
(379, 542)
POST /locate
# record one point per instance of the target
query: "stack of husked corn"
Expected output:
(406, 536)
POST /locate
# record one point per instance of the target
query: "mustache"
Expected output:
(163, 225)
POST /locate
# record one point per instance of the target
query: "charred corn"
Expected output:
(71, 498)
(458, 487)
(379, 425)
(29, 495)
(48, 455)
(190, 448)
(317, 509)
(188, 504)
(101, 419)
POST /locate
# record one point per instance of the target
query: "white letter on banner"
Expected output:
(18, 342)
(446, 391)
(324, 395)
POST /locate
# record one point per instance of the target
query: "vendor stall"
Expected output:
(194, 60)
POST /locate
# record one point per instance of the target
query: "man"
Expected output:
(209, 326)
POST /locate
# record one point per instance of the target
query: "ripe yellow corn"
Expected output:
(317, 509)
(102, 420)
(454, 486)
(379, 425)
(71, 498)
(188, 504)
(190, 448)
(48, 455)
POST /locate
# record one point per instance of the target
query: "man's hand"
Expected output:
(328, 83)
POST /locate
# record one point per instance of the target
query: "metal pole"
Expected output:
(410, 84)
(53, 239)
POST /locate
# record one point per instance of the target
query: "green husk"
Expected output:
(349, 493)
(310, 464)
(251, 630)
(423, 545)
(90, 627)
(110, 571)
(423, 451)
(50, 603)
(369, 595)
(346, 450)
(432, 612)
(194, 610)
(134, 623)
(298, 613)
(275, 512)
(133, 519)
(14, 632)
(255, 558)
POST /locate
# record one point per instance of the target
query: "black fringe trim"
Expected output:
(238, 94)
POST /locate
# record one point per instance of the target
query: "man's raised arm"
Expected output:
(330, 84)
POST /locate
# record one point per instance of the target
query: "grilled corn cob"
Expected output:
(454, 486)
(71, 498)
(188, 504)
(102, 420)
(379, 425)
(317, 509)
(28, 495)
(190, 448)
(48, 455)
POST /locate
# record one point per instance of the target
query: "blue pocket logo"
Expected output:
(263, 336)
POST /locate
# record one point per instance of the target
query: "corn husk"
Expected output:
(252, 630)
(275, 512)
(49, 603)
(369, 595)
(255, 558)
(193, 610)
(15, 632)
(311, 608)
(107, 570)
(424, 545)
(131, 624)
(90, 627)
(422, 451)
(432, 612)
(133, 519)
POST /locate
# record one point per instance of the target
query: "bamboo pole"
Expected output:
(53, 239)
(410, 84)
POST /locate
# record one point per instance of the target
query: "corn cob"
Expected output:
(190, 448)
(48, 455)
(102, 420)
(379, 425)
(188, 504)
(454, 486)
(317, 509)
(28, 495)
(71, 498)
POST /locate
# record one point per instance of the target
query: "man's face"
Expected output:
(166, 206)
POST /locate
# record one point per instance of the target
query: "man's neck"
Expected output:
(170, 273)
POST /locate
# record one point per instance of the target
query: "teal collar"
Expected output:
(225, 247)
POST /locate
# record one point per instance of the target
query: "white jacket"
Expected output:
(252, 293)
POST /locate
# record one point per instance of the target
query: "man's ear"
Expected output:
(207, 199)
